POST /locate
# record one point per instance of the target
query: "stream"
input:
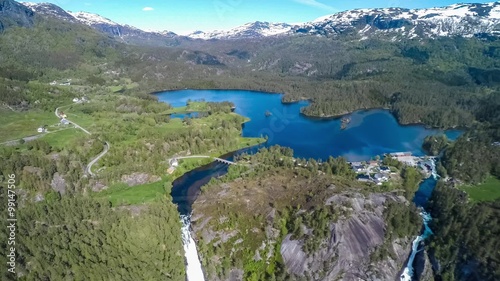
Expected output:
(185, 190)
(421, 197)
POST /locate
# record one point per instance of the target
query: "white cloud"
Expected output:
(316, 4)
(147, 9)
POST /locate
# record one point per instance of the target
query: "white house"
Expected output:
(358, 167)
(380, 178)
(76, 100)
(41, 130)
(64, 121)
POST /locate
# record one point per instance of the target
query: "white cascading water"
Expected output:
(194, 271)
(426, 217)
(408, 272)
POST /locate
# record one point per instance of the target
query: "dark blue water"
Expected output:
(424, 192)
(183, 115)
(185, 189)
(370, 133)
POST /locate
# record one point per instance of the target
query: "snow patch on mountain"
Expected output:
(464, 20)
(250, 30)
(91, 19)
(49, 9)
(455, 20)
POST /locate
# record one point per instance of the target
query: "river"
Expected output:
(422, 195)
(370, 133)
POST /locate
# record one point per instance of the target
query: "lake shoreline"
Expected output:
(225, 154)
(340, 115)
(212, 89)
(315, 117)
(288, 127)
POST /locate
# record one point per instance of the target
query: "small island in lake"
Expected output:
(345, 121)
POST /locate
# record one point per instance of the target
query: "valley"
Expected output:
(127, 197)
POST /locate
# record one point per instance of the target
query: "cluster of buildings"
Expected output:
(371, 171)
(374, 171)
(426, 163)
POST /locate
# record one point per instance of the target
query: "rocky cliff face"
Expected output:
(289, 227)
(14, 14)
(352, 241)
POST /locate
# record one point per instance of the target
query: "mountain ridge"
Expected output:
(124, 32)
(465, 20)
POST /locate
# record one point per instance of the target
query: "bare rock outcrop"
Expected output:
(350, 245)
(290, 227)
(98, 186)
(139, 178)
(58, 184)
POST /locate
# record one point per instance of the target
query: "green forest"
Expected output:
(76, 227)
(465, 240)
(80, 238)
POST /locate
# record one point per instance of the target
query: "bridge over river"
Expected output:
(202, 156)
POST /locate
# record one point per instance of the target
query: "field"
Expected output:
(488, 191)
(75, 114)
(64, 137)
(126, 85)
(122, 194)
(16, 125)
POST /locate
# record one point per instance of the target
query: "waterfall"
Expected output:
(408, 272)
(194, 271)
(426, 217)
(433, 167)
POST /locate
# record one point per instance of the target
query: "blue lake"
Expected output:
(370, 132)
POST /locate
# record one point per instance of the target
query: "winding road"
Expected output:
(88, 168)
(76, 125)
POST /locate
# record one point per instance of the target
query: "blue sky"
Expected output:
(185, 16)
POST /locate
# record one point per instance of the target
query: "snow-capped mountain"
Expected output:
(125, 32)
(50, 9)
(250, 30)
(106, 25)
(456, 20)
(92, 19)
